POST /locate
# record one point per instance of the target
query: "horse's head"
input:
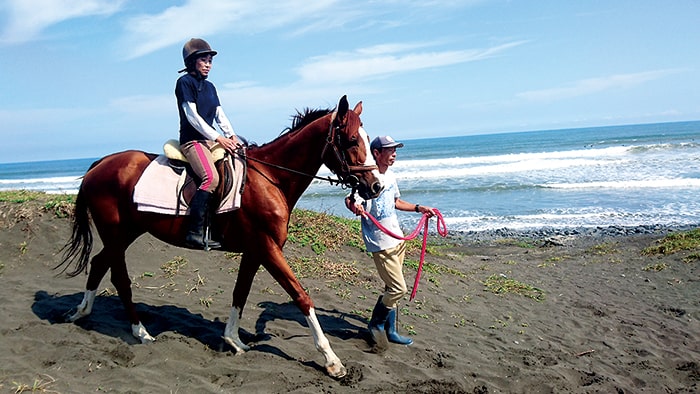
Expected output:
(347, 152)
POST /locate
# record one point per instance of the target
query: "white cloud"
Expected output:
(201, 18)
(198, 18)
(383, 60)
(27, 19)
(594, 85)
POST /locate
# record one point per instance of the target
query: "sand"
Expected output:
(599, 317)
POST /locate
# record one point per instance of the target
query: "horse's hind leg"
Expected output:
(241, 290)
(122, 283)
(98, 268)
(99, 265)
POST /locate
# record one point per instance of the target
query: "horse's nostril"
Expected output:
(376, 187)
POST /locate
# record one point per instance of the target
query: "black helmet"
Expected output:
(194, 48)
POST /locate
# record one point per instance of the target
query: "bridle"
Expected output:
(346, 174)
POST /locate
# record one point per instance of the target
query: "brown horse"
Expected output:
(278, 173)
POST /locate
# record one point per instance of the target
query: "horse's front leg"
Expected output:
(231, 331)
(279, 268)
(334, 366)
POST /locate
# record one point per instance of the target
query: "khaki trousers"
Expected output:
(389, 264)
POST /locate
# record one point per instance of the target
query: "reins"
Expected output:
(279, 167)
(441, 229)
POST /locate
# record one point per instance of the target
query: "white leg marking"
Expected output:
(85, 307)
(139, 331)
(333, 365)
(231, 332)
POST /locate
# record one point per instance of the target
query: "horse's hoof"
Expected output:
(67, 317)
(72, 315)
(147, 339)
(336, 371)
(237, 345)
(139, 331)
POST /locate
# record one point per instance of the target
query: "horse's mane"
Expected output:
(305, 117)
(300, 120)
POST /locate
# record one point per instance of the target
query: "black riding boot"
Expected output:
(199, 209)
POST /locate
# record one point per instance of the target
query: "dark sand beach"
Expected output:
(585, 313)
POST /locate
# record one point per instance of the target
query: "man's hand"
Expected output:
(354, 207)
(430, 211)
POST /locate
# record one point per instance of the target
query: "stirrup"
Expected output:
(205, 244)
(201, 241)
(209, 243)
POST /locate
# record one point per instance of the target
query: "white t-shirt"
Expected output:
(383, 208)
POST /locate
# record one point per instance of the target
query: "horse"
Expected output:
(278, 173)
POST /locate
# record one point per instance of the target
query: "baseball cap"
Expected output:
(384, 141)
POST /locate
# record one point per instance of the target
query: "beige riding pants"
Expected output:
(389, 264)
(198, 154)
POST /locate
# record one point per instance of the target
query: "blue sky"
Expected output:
(85, 78)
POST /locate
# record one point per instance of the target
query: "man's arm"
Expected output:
(402, 205)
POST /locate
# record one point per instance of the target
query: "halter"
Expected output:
(347, 172)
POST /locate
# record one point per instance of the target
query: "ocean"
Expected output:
(633, 175)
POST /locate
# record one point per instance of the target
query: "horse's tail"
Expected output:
(79, 246)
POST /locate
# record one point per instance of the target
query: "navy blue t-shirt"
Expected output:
(201, 92)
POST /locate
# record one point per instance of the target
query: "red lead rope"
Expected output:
(441, 229)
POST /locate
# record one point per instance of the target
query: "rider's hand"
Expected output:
(229, 144)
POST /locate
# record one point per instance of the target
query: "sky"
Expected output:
(86, 78)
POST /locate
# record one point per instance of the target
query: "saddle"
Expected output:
(168, 184)
(179, 163)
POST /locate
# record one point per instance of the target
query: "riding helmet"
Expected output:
(194, 48)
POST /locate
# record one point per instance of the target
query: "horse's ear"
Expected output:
(343, 107)
(358, 108)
